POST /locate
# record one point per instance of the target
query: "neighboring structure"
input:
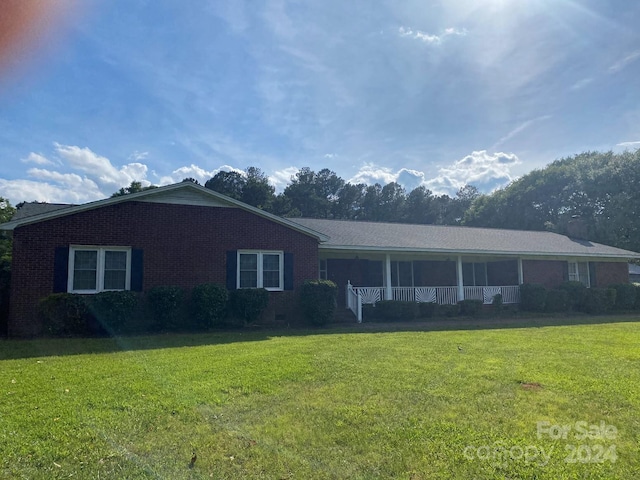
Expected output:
(634, 273)
(185, 234)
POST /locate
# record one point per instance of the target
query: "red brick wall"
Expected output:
(550, 273)
(183, 245)
(611, 273)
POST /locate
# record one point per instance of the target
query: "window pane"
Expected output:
(248, 261)
(271, 279)
(248, 279)
(270, 270)
(115, 270)
(480, 274)
(85, 264)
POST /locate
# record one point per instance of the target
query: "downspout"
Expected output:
(520, 272)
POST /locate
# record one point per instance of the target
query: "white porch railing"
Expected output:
(358, 296)
(354, 301)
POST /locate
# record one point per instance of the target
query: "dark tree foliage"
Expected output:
(134, 187)
(602, 190)
(251, 187)
(6, 246)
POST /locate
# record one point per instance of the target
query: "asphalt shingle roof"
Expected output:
(437, 238)
(30, 209)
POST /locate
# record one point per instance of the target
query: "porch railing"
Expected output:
(440, 295)
(354, 301)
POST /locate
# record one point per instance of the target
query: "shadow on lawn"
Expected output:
(12, 349)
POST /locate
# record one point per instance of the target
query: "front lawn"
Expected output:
(553, 402)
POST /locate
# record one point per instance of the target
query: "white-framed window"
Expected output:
(260, 269)
(579, 272)
(98, 269)
(323, 269)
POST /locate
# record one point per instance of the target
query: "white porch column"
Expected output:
(388, 293)
(520, 272)
(460, 279)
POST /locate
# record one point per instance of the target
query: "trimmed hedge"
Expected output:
(64, 315)
(577, 292)
(248, 303)
(208, 305)
(471, 308)
(164, 306)
(397, 310)
(427, 309)
(318, 301)
(557, 301)
(598, 300)
(625, 296)
(117, 312)
(533, 297)
(448, 310)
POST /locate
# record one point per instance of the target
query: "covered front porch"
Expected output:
(367, 278)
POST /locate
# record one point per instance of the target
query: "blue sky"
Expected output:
(439, 93)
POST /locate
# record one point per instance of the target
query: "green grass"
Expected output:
(322, 404)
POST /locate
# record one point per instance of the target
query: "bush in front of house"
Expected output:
(470, 308)
(208, 305)
(625, 296)
(427, 309)
(318, 301)
(117, 312)
(636, 305)
(448, 310)
(397, 310)
(64, 315)
(577, 292)
(533, 297)
(164, 306)
(248, 304)
(498, 303)
(598, 300)
(557, 301)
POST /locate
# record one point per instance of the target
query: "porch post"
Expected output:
(460, 279)
(388, 293)
(520, 272)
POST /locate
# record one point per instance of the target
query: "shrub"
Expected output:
(165, 307)
(576, 292)
(470, 308)
(448, 310)
(532, 297)
(117, 312)
(625, 296)
(557, 301)
(208, 305)
(636, 306)
(249, 303)
(397, 310)
(597, 300)
(498, 302)
(427, 309)
(370, 313)
(318, 300)
(64, 314)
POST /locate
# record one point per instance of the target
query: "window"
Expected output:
(260, 270)
(323, 270)
(579, 272)
(96, 269)
(474, 274)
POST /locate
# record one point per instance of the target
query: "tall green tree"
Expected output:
(134, 187)
(6, 246)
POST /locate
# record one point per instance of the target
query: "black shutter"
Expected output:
(565, 273)
(60, 269)
(136, 270)
(232, 268)
(288, 271)
(592, 275)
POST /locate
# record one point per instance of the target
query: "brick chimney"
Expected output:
(577, 228)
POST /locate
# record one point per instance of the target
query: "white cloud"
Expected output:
(581, 84)
(37, 159)
(281, 178)
(629, 144)
(480, 169)
(193, 171)
(28, 191)
(623, 62)
(137, 156)
(371, 173)
(430, 38)
(523, 126)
